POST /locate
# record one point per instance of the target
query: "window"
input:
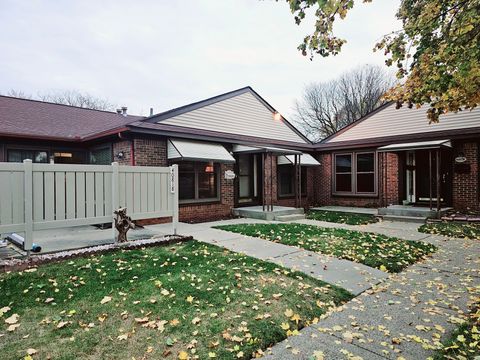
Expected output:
(101, 156)
(286, 180)
(343, 172)
(355, 173)
(198, 181)
(69, 157)
(365, 172)
(36, 156)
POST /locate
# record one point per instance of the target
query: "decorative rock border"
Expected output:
(35, 260)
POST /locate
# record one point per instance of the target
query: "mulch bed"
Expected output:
(35, 260)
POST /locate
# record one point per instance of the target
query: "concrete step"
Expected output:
(412, 211)
(291, 217)
(410, 219)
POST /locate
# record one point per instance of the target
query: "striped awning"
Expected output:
(305, 160)
(247, 149)
(181, 149)
(421, 145)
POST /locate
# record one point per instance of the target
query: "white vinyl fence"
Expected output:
(45, 196)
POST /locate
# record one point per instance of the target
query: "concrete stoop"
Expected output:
(291, 217)
(279, 213)
(407, 213)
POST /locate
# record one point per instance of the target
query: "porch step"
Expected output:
(292, 217)
(410, 219)
(411, 211)
(257, 212)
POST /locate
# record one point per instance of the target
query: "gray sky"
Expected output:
(164, 54)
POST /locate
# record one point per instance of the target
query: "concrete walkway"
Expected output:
(348, 209)
(349, 275)
(406, 316)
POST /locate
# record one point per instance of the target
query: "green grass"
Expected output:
(464, 343)
(341, 217)
(375, 250)
(453, 229)
(237, 307)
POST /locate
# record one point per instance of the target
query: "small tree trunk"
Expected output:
(123, 223)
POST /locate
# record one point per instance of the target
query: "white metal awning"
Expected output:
(180, 149)
(305, 160)
(247, 149)
(421, 145)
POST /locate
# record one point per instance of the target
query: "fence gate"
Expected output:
(46, 196)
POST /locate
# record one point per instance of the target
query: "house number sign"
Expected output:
(172, 180)
(229, 175)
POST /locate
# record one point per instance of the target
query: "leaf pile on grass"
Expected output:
(184, 301)
(452, 229)
(464, 343)
(340, 217)
(375, 250)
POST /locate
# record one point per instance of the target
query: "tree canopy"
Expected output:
(436, 53)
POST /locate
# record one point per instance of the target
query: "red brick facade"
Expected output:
(465, 194)
(212, 211)
(308, 199)
(322, 180)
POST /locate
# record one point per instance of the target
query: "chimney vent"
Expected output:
(124, 110)
(151, 111)
(119, 111)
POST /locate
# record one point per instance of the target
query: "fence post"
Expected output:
(28, 206)
(115, 195)
(174, 192)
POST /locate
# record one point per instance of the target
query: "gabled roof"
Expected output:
(44, 120)
(387, 124)
(240, 112)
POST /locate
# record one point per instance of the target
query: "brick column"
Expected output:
(465, 185)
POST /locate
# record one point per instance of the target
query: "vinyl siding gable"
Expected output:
(243, 114)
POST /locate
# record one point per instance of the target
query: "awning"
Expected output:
(246, 149)
(305, 160)
(180, 149)
(434, 144)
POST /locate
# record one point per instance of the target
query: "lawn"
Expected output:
(375, 250)
(464, 343)
(453, 229)
(341, 217)
(183, 301)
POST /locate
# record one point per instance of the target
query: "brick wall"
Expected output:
(309, 198)
(465, 194)
(124, 146)
(150, 152)
(212, 211)
(323, 184)
(270, 184)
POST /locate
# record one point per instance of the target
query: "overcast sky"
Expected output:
(164, 54)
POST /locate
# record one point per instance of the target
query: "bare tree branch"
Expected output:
(68, 97)
(327, 107)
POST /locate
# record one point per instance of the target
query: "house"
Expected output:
(394, 156)
(233, 150)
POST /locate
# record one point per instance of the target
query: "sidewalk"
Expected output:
(349, 275)
(406, 316)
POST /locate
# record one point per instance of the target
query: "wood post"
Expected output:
(28, 205)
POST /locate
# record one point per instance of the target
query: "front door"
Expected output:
(426, 180)
(248, 189)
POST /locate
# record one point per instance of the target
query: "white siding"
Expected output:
(243, 114)
(391, 122)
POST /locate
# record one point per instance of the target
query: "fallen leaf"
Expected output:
(106, 299)
(12, 319)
